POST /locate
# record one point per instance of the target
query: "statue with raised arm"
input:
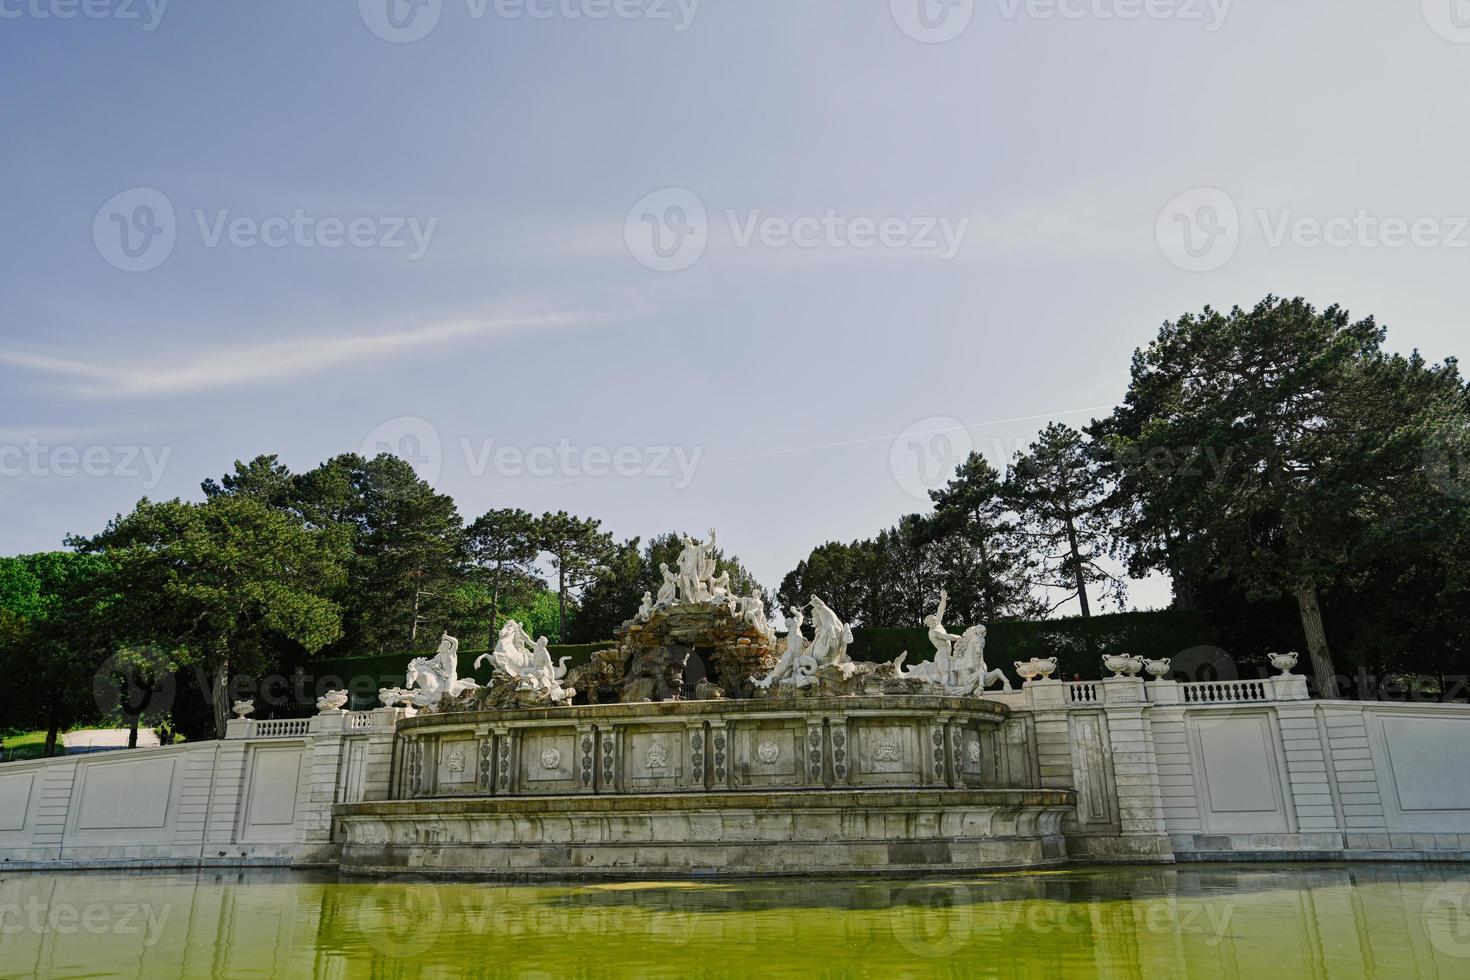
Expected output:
(527, 665)
(942, 639)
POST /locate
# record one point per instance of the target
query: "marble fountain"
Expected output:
(708, 745)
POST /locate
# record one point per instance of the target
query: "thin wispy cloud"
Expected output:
(237, 365)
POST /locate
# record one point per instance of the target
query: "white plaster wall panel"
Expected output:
(1362, 803)
(16, 793)
(1238, 773)
(272, 789)
(1312, 791)
(1422, 770)
(1176, 771)
(1092, 772)
(126, 794)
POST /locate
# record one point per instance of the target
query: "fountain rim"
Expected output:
(889, 705)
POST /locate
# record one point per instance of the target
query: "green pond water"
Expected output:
(1204, 921)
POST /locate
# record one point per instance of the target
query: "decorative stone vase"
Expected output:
(1157, 669)
(332, 701)
(243, 708)
(1045, 666)
(1284, 662)
(1027, 669)
(1123, 664)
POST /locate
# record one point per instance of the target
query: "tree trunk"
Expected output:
(561, 593)
(133, 731)
(1311, 612)
(220, 695)
(1077, 567)
(52, 732)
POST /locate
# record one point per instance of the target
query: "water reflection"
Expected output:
(1208, 921)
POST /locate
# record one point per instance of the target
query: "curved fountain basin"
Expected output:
(788, 832)
(688, 787)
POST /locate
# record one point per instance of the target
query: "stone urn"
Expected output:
(1284, 662)
(1123, 664)
(1045, 666)
(1027, 669)
(1157, 669)
(243, 708)
(332, 701)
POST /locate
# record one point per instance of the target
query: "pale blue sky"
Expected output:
(518, 148)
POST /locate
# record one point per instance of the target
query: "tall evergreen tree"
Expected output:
(1057, 488)
(578, 550)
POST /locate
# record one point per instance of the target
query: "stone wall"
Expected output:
(1153, 771)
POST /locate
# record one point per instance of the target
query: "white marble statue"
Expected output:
(833, 637)
(527, 664)
(696, 569)
(958, 667)
(668, 592)
(645, 608)
(431, 679)
(793, 667)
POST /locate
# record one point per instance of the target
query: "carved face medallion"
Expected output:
(885, 747)
(657, 756)
(768, 752)
(550, 758)
(456, 761)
